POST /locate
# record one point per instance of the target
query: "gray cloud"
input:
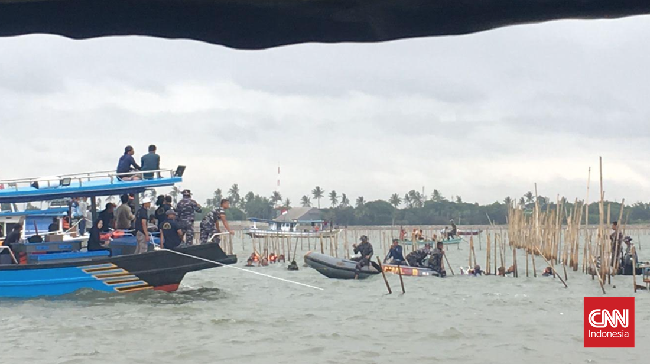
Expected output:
(482, 116)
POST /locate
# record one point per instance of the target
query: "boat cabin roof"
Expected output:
(93, 184)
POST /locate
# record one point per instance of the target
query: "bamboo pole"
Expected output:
(384, 275)
(401, 280)
(552, 268)
(633, 251)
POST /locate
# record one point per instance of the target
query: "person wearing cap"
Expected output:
(365, 253)
(171, 235)
(210, 223)
(150, 162)
(141, 223)
(395, 253)
(186, 208)
(435, 261)
(125, 163)
(416, 258)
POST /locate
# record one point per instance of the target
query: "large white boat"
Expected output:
(297, 222)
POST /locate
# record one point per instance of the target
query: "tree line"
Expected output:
(410, 208)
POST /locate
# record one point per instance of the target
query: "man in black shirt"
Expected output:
(54, 226)
(107, 217)
(171, 233)
(141, 222)
(15, 235)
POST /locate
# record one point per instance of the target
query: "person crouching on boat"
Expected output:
(210, 223)
(435, 262)
(94, 241)
(171, 234)
(416, 258)
(365, 253)
(395, 253)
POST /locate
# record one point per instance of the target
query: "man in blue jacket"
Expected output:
(395, 253)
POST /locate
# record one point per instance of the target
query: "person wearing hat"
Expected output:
(141, 223)
(186, 208)
(365, 253)
(210, 223)
(416, 258)
(125, 163)
(171, 235)
(395, 253)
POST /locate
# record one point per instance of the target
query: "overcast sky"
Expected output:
(482, 116)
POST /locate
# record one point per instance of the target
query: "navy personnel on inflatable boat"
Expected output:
(365, 253)
(395, 253)
(417, 258)
(435, 261)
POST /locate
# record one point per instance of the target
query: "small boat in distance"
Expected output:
(467, 232)
(452, 241)
(297, 222)
(33, 269)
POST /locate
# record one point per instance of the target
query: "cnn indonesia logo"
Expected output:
(609, 321)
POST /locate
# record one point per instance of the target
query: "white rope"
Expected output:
(242, 269)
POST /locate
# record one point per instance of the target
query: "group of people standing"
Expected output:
(176, 226)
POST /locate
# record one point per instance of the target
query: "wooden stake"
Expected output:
(384, 275)
(401, 281)
(549, 264)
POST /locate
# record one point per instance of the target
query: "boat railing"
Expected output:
(13, 257)
(81, 178)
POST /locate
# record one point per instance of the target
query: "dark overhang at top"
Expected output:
(257, 24)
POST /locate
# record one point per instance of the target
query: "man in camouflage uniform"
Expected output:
(365, 254)
(435, 262)
(210, 222)
(186, 208)
(416, 258)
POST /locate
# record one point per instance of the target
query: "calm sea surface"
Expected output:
(225, 315)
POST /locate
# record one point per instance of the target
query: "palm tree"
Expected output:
(459, 200)
(395, 200)
(522, 202)
(217, 196)
(334, 198)
(250, 196)
(408, 201)
(287, 203)
(276, 197)
(360, 201)
(318, 193)
(436, 196)
(416, 198)
(507, 201)
(344, 200)
(234, 194)
(306, 201)
(529, 197)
